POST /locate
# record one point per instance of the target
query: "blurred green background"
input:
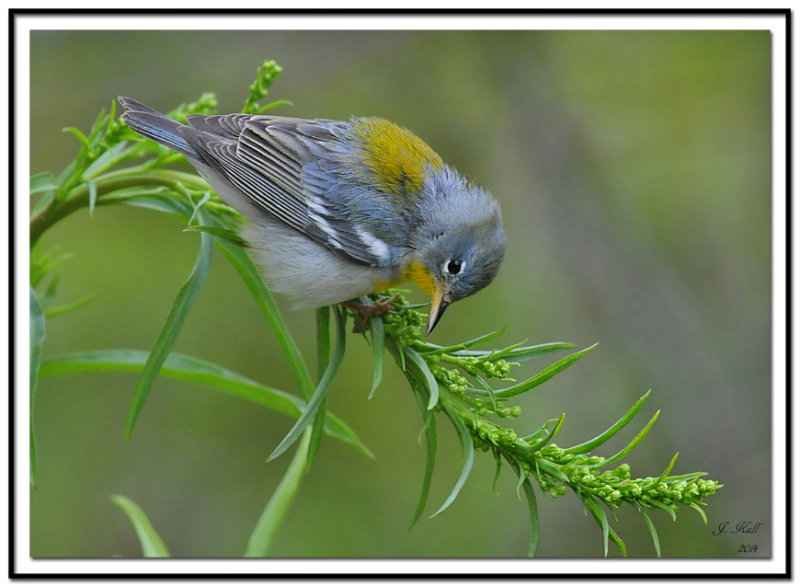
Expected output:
(633, 170)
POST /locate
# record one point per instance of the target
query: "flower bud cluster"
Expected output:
(403, 325)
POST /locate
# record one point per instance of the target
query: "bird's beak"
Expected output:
(438, 306)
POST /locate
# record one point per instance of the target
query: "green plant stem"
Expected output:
(79, 197)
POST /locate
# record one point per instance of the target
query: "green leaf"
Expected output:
(700, 511)
(37, 337)
(534, 515)
(657, 504)
(519, 354)
(43, 264)
(190, 369)
(653, 534)
(521, 478)
(66, 308)
(469, 459)
(321, 391)
(80, 136)
(323, 339)
(430, 381)
(66, 173)
(465, 345)
(618, 541)
(152, 545)
(663, 475)
(219, 232)
(378, 336)
(152, 199)
(272, 105)
(497, 469)
(43, 203)
(630, 446)
(98, 126)
(252, 279)
(92, 196)
(196, 206)
(323, 349)
(429, 428)
(172, 327)
(601, 518)
(43, 182)
(49, 293)
(543, 375)
(590, 445)
(108, 159)
(278, 505)
(549, 436)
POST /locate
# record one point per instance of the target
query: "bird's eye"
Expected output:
(454, 266)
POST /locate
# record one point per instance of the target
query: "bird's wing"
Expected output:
(288, 168)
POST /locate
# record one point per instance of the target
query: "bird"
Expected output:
(340, 209)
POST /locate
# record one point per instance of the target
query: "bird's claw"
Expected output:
(367, 311)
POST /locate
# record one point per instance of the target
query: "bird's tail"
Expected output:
(154, 125)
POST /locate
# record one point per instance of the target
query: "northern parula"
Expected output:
(341, 209)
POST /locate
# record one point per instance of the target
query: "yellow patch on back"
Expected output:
(395, 155)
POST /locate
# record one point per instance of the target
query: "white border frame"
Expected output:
(23, 564)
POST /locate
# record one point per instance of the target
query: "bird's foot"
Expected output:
(367, 311)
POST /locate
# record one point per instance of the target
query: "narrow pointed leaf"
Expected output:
(541, 432)
(77, 132)
(429, 429)
(190, 369)
(618, 541)
(469, 458)
(535, 351)
(172, 327)
(592, 444)
(378, 336)
(522, 476)
(470, 343)
(42, 182)
(430, 381)
(152, 545)
(323, 339)
(600, 516)
(323, 346)
(278, 505)
(653, 534)
(700, 511)
(66, 308)
(319, 394)
(272, 105)
(518, 354)
(497, 469)
(92, 196)
(543, 375)
(106, 160)
(219, 232)
(549, 435)
(42, 203)
(37, 337)
(686, 477)
(630, 446)
(663, 475)
(533, 509)
(501, 353)
(657, 504)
